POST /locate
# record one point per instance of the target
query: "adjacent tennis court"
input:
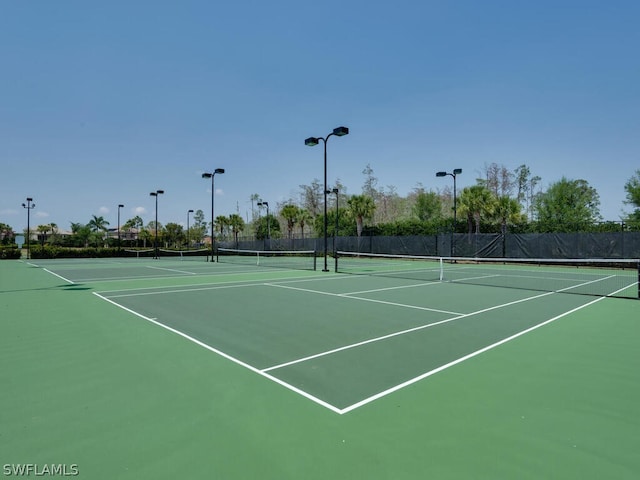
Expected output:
(393, 333)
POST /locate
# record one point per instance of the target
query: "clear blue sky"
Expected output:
(104, 102)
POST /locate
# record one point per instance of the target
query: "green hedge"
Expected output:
(9, 252)
(53, 251)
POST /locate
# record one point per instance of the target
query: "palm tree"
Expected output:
(43, 230)
(221, 222)
(475, 202)
(54, 233)
(290, 213)
(145, 235)
(507, 210)
(304, 218)
(98, 224)
(152, 228)
(254, 197)
(81, 232)
(361, 208)
(236, 223)
(7, 235)
(133, 223)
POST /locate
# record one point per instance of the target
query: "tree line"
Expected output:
(500, 201)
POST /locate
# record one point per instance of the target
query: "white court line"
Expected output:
(187, 288)
(433, 282)
(365, 401)
(373, 300)
(200, 275)
(224, 355)
(193, 288)
(455, 362)
(428, 325)
(424, 284)
(458, 316)
(59, 276)
(594, 281)
(171, 270)
(466, 357)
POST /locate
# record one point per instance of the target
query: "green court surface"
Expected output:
(153, 369)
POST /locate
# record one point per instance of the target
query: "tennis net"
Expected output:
(289, 259)
(140, 253)
(598, 277)
(198, 254)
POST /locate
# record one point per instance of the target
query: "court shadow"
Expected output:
(63, 286)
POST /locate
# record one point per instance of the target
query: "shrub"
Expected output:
(9, 252)
(52, 251)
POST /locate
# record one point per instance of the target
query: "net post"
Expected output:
(441, 269)
(638, 267)
(335, 262)
(258, 258)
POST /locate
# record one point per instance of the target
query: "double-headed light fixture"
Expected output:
(212, 176)
(312, 142)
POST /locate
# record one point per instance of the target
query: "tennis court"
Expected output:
(381, 344)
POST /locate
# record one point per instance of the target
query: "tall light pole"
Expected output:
(119, 207)
(213, 194)
(335, 232)
(29, 205)
(312, 142)
(456, 172)
(156, 194)
(266, 204)
(188, 239)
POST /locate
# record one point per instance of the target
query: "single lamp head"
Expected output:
(207, 175)
(219, 170)
(120, 206)
(160, 192)
(189, 211)
(341, 131)
(457, 171)
(311, 141)
(441, 174)
(29, 199)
